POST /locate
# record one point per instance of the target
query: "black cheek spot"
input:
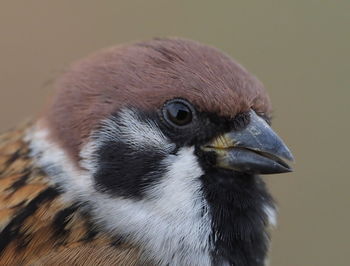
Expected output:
(127, 171)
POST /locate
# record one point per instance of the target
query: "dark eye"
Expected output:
(178, 112)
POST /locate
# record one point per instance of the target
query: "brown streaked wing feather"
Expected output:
(91, 255)
(36, 226)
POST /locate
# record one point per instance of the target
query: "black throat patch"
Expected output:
(239, 222)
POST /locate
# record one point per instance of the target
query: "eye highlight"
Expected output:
(178, 112)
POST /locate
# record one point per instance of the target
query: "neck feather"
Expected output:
(241, 209)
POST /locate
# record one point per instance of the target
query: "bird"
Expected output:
(148, 153)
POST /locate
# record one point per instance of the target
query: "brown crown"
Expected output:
(144, 75)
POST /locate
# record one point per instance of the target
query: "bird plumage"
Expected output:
(37, 225)
(149, 153)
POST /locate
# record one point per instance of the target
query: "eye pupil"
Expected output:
(181, 115)
(178, 113)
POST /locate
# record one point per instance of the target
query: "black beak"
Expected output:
(256, 149)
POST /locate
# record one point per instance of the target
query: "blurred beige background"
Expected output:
(299, 49)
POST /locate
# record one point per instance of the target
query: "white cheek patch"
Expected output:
(57, 164)
(172, 223)
(130, 129)
(126, 128)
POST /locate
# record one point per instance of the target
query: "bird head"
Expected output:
(173, 132)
